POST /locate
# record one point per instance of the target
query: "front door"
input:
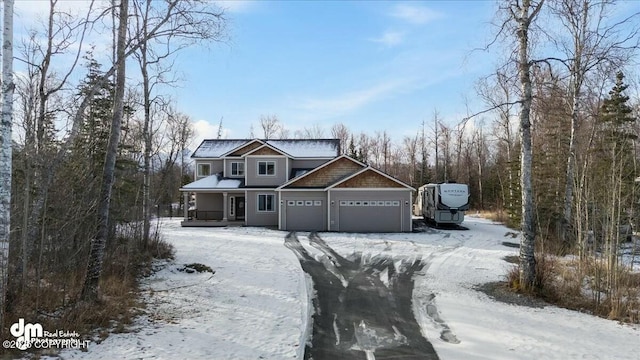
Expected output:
(240, 208)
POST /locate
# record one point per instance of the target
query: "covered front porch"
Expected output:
(214, 209)
(211, 206)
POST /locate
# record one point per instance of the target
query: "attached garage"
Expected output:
(348, 196)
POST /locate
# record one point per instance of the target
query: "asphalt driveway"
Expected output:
(362, 306)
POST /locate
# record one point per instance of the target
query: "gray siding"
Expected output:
(391, 211)
(254, 217)
(304, 211)
(217, 166)
(251, 169)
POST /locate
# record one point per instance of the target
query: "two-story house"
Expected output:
(301, 184)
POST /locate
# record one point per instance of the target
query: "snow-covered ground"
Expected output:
(256, 305)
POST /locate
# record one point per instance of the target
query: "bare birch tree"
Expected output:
(270, 125)
(496, 93)
(521, 16)
(6, 122)
(341, 132)
(155, 67)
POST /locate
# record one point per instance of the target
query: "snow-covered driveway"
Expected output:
(256, 305)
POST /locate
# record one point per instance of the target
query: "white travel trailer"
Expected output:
(443, 203)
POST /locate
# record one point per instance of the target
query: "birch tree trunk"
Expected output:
(5, 151)
(96, 255)
(147, 133)
(578, 29)
(524, 15)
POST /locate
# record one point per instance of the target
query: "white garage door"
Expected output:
(370, 215)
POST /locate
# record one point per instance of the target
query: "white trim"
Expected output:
(246, 209)
(232, 206)
(225, 202)
(210, 190)
(281, 210)
(367, 189)
(268, 156)
(329, 211)
(411, 212)
(302, 189)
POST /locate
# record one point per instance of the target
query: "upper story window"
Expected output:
(237, 169)
(266, 167)
(204, 169)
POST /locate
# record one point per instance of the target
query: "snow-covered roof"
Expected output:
(216, 147)
(296, 148)
(308, 148)
(213, 182)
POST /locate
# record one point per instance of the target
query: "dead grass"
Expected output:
(493, 215)
(583, 286)
(52, 301)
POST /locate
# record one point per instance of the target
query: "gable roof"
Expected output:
(344, 172)
(295, 148)
(326, 174)
(244, 148)
(370, 178)
(265, 149)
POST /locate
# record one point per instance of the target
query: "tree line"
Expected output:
(98, 148)
(554, 151)
(101, 149)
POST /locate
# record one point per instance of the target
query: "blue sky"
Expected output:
(371, 65)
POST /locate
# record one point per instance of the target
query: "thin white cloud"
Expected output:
(390, 38)
(346, 102)
(237, 6)
(415, 14)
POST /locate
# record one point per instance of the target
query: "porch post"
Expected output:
(224, 206)
(186, 205)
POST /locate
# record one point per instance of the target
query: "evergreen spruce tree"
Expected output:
(93, 137)
(617, 134)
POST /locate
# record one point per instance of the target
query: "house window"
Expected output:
(237, 169)
(266, 202)
(232, 206)
(266, 167)
(204, 169)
